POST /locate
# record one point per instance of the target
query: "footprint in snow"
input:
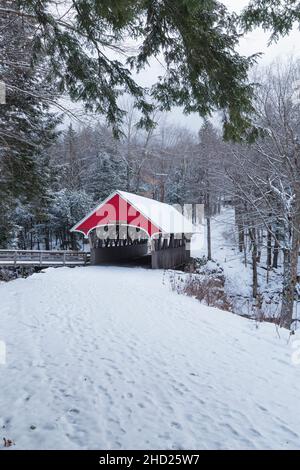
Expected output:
(176, 425)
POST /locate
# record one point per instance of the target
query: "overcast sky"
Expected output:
(257, 41)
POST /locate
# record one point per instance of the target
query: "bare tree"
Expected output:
(267, 178)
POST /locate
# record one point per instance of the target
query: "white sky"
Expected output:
(256, 41)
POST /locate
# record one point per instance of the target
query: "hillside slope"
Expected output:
(108, 357)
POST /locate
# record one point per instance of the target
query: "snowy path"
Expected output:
(103, 357)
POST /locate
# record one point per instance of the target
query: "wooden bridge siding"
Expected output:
(169, 253)
(43, 258)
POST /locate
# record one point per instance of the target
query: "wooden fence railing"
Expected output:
(43, 258)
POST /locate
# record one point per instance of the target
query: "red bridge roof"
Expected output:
(122, 208)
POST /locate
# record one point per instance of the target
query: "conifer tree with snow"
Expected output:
(68, 206)
(197, 40)
(107, 173)
(27, 127)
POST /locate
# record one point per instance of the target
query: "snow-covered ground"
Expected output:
(225, 251)
(238, 276)
(110, 357)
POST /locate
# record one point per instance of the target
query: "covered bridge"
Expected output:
(126, 226)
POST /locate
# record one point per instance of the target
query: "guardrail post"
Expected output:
(15, 258)
(41, 257)
(64, 258)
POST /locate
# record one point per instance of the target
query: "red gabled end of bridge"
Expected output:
(116, 211)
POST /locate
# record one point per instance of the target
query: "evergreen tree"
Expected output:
(197, 39)
(27, 127)
(177, 186)
(277, 16)
(73, 175)
(67, 208)
(107, 174)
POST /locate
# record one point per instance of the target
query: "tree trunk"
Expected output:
(276, 251)
(253, 238)
(290, 268)
(47, 240)
(208, 214)
(240, 227)
(128, 177)
(245, 255)
(269, 247)
(259, 242)
(292, 253)
(74, 245)
(208, 238)
(287, 304)
(162, 191)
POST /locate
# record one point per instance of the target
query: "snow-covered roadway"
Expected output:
(110, 357)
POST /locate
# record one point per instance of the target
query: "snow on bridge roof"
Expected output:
(127, 208)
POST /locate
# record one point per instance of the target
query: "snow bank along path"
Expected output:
(109, 357)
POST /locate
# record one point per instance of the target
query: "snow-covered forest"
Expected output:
(85, 163)
(55, 167)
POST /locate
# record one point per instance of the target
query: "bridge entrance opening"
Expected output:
(120, 244)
